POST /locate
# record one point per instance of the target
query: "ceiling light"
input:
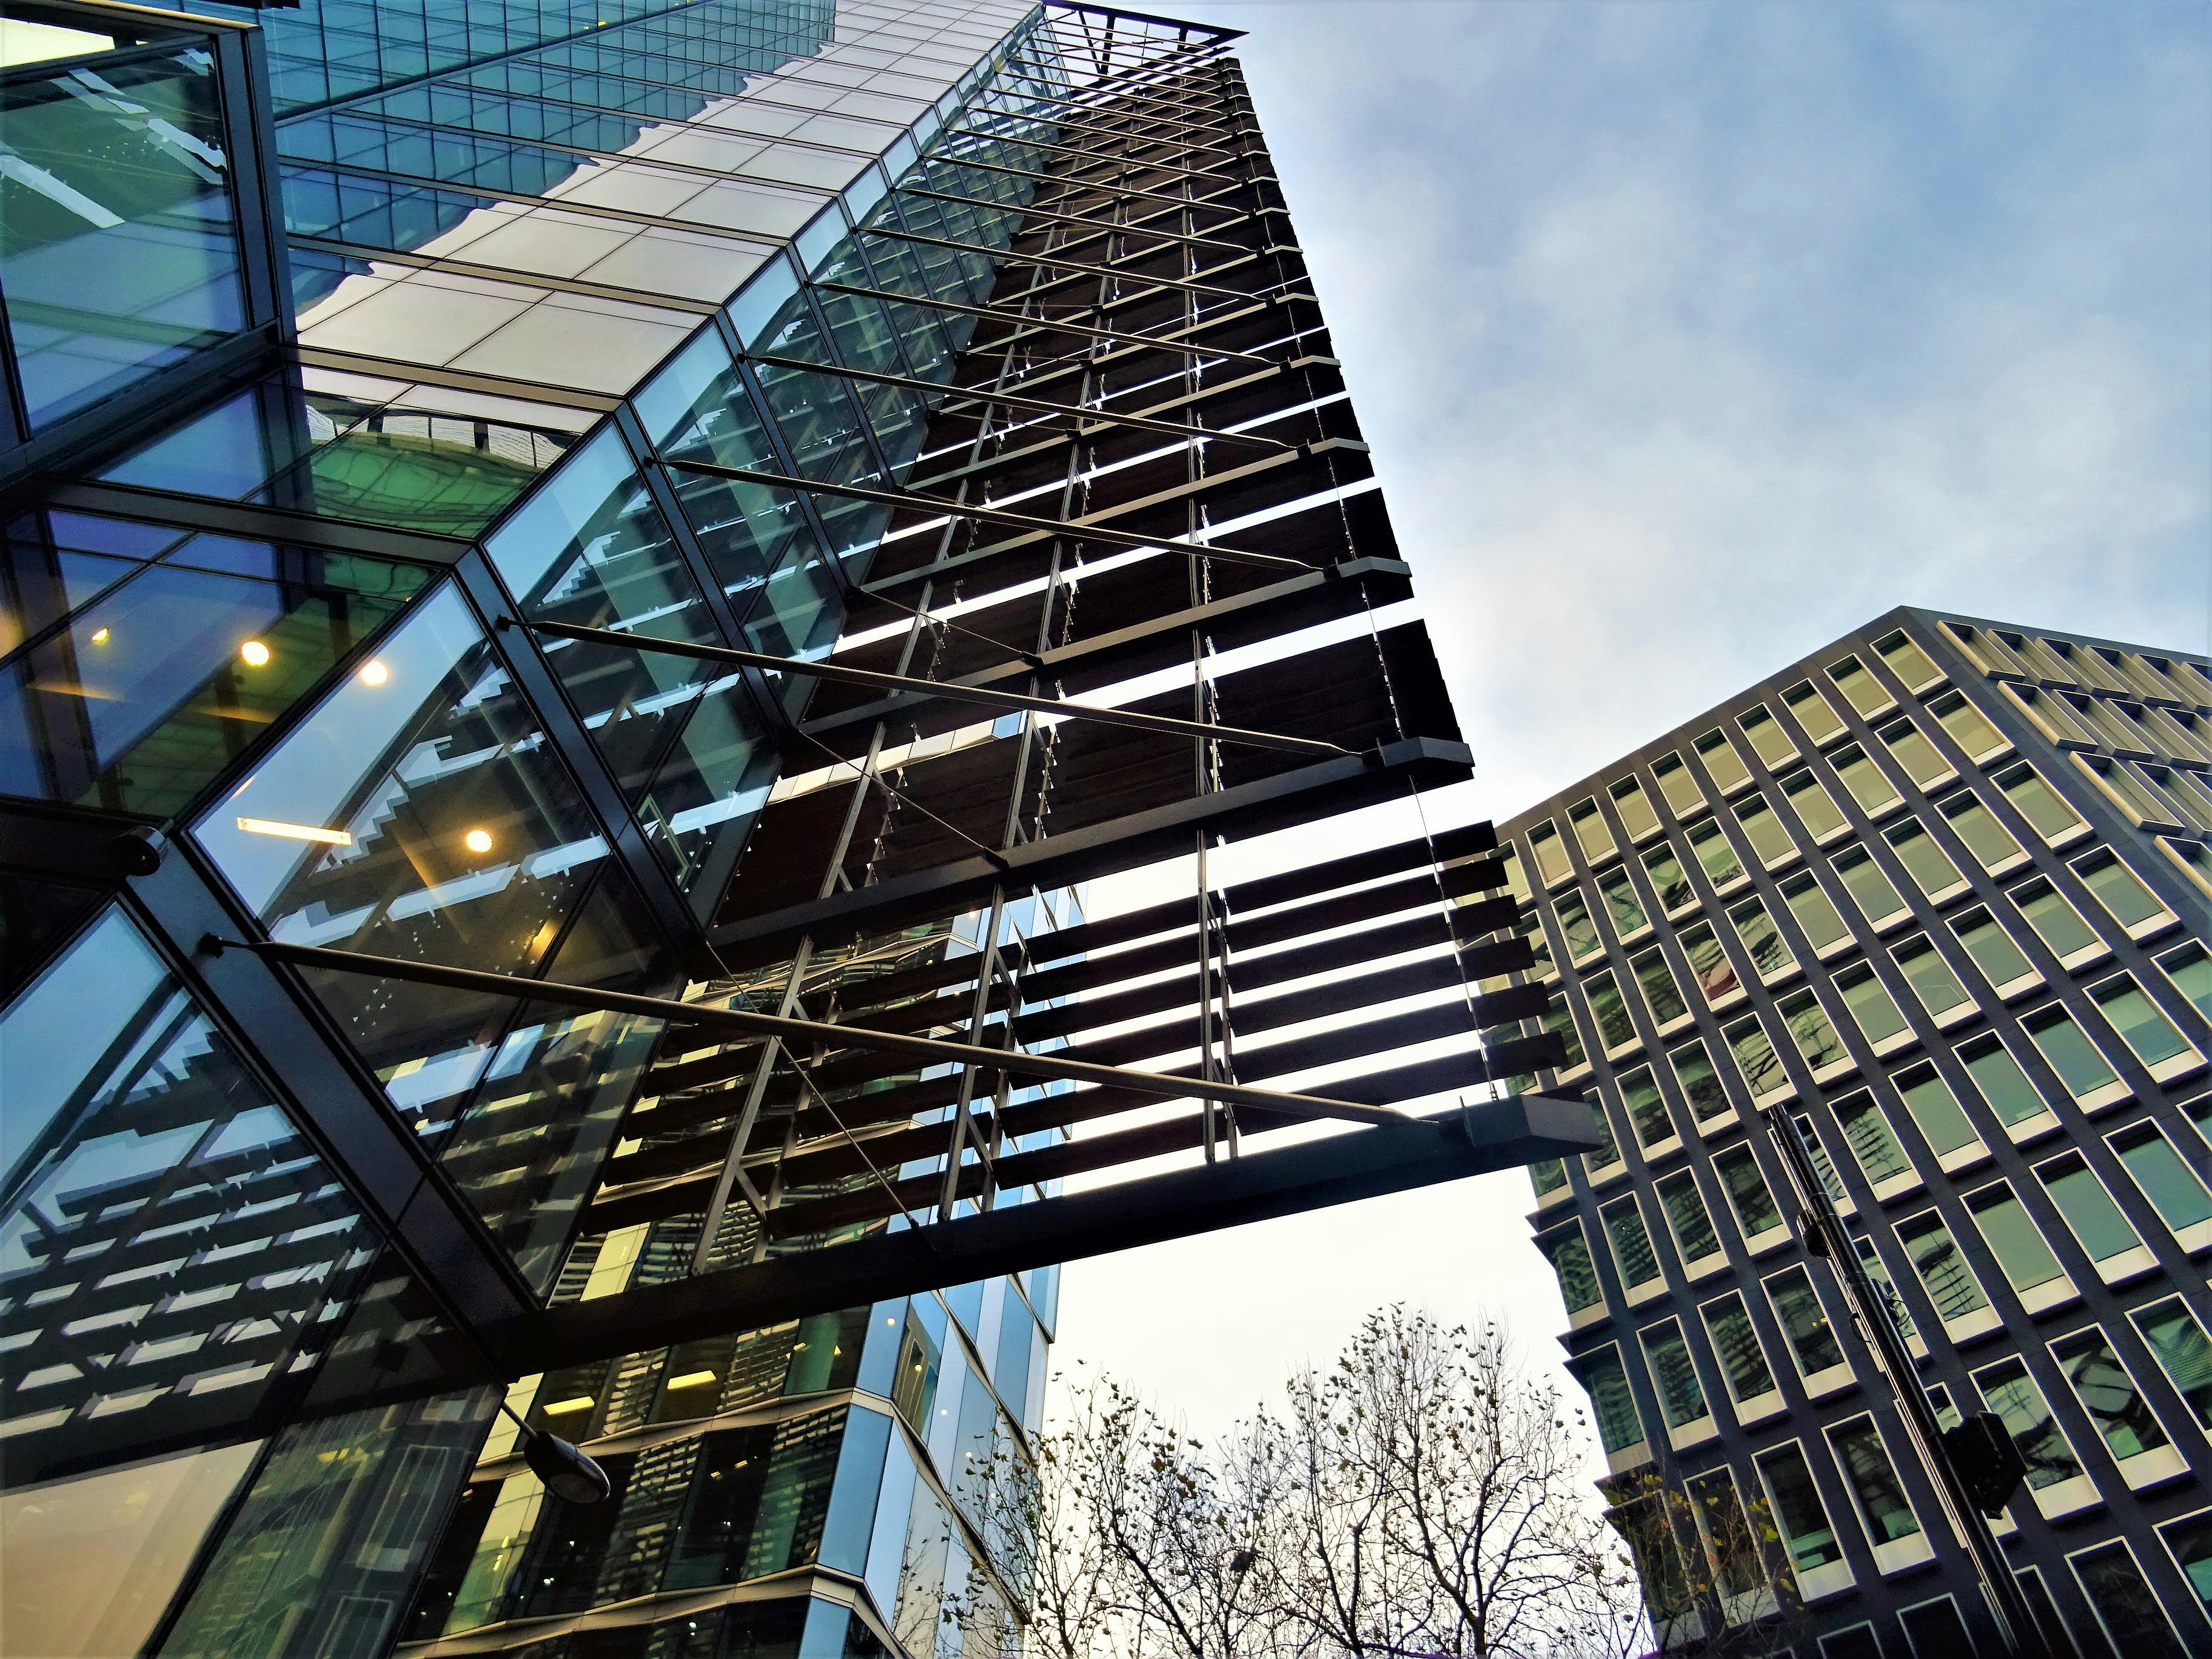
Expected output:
(255, 652)
(296, 831)
(373, 672)
(582, 1402)
(100, 636)
(477, 841)
(690, 1379)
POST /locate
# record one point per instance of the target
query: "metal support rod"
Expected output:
(1074, 529)
(900, 683)
(1825, 1235)
(1075, 186)
(1085, 268)
(933, 1050)
(1047, 326)
(1097, 227)
(1121, 133)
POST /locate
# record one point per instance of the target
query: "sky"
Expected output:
(1688, 337)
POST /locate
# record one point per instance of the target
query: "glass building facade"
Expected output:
(551, 556)
(1940, 895)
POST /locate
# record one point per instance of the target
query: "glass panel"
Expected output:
(1915, 753)
(1966, 724)
(1701, 1083)
(2184, 1352)
(1675, 783)
(2108, 1393)
(2176, 1191)
(1615, 1027)
(1632, 1243)
(1611, 1402)
(1748, 1191)
(2096, 1220)
(1621, 904)
(1668, 880)
(154, 1189)
(1736, 1342)
(1722, 761)
(1570, 1261)
(1708, 963)
(2001, 1080)
(1728, 1534)
(1868, 784)
(1935, 1109)
(1820, 721)
(2000, 960)
(2068, 1052)
(1547, 1175)
(1583, 940)
(1755, 1057)
(1816, 808)
(1715, 852)
(1812, 1030)
(1636, 813)
(2056, 922)
(1561, 1023)
(1660, 990)
(119, 245)
(2039, 803)
(1930, 977)
(1804, 1321)
(1873, 1142)
(1929, 866)
(1770, 743)
(149, 693)
(1673, 1375)
(1816, 914)
(2126, 1605)
(1763, 831)
(2013, 1396)
(1799, 1515)
(2019, 1249)
(1647, 1108)
(1591, 830)
(1769, 953)
(1936, 1258)
(1871, 1005)
(2119, 890)
(2143, 1025)
(1551, 855)
(1862, 691)
(1908, 659)
(1985, 838)
(1873, 1480)
(2190, 1540)
(1877, 1272)
(1687, 1218)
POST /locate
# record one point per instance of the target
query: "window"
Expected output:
(1907, 660)
(1816, 808)
(1875, 894)
(1728, 1538)
(1569, 1254)
(1914, 753)
(1559, 1021)
(1547, 1175)
(1607, 1154)
(1736, 1343)
(2142, 1023)
(1936, 1110)
(1823, 1166)
(2051, 713)
(1676, 784)
(1632, 1243)
(1550, 854)
(1874, 1143)
(2190, 969)
(1813, 1031)
(1616, 1029)
(1701, 1083)
(2126, 1605)
(1755, 1057)
(1929, 865)
(1985, 651)
(1715, 853)
(2175, 1190)
(1687, 1218)
(1660, 990)
(1860, 689)
(1969, 728)
(1647, 1109)
(1576, 927)
(1871, 1005)
(1877, 1272)
(1800, 1516)
(2189, 1539)
(2001, 961)
(1636, 814)
(1762, 941)
(2002, 1082)
(1591, 830)
(1516, 879)
(2120, 890)
(1873, 1480)
(2057, 923)
(2013, 1396)
(2177, 1340)
(1816, 912)
(2109, 1394)
(1674, 1376)
(1868, 784)
(1930, 977)
(1768, 740)
(1531, 928)
(2068, 1052)
(1805, 1328)
(2019, 1249)
(1934, 1256)
(1989, 841)
(1708, 963)
(1813, 712)
(2039, 803)
(2087, 1209)
(1747, 1190)
(1768, 839)
(1618, 1428)
(1668, 879)
(1621, 903)
(1721, 760)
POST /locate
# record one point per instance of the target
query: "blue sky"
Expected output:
(1689, 336)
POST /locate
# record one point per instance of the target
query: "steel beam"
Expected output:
(1083, 268)
(1049, 324)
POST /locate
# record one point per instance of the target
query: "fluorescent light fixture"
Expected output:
(296, 831)
(255, 652)
(582, 1402)
(477, 841)
(690, 1379)
(373, 672)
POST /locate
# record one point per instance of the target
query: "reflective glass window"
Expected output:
(1816, 912)
(2001, 961)
(1616, 1027)
(1701, 1083)
(1816, 808)
(1966, 724)
(1569, 1254)
(1929, 866)
(1907, 660)
(2142, 1023)
(1668, 879)
(2088, 1209)
(1660, 991)
(1635, 810)
(1749, 1193)
(1870, 1004)
(1768, 740)
(1632, 1242)
(1687, 1218)
(2001, 1080)
(2068, 1051)
(2109, 1393)
(2119, 890)
(1935, 1109)
(1874, 1480)
(2176, 1339)
(1915, 753)
(1715, 852)
(1799, 1516)
(1721, 760)
(1622, 905)
(2039, 803)
(1813, 712)
(1611, 1401)
(1936, 1257)
(2177, 1192)
(1872, 1141)
(1930, 976)
(1804, 1322)
(1985, 838)
(1755, 1057)
(2013, 1396)
(1673, 1374)
(1770, 953)
(1709, 963)
(1764, 831)
(1675, 783)
(1860, 689)
(1736, 1341)
(2012, 1239)
(1869, 785)
(1812, 1030)
(1591, 830)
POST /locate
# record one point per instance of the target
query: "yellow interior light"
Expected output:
(255, 652)
(296, 831)
(373, 672)
(582, 1402)
(477, 841)
(100, 636)
(690, 1379)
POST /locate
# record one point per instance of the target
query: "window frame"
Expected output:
(2099, 1097)
(1861, 858)
(1896, 1183)
(1971, 1323)
(2194, 1237)
(1691, 1430)
(1973, 919)
(1905, 1550)
(2036, 889)
(2065, 1494)
(1661, 770)
(1947, 703)
(1749, 1407)
(1851, 757)
(1830, 1379)
(1796, 698)
(2184, 1061)
(1622, 790)
(2054, 1289)
(1830, 1577)
(1894, 645)
(1716, 742)
(2130, 1260)
(2155, 1465)
(1883, 700)
(2029, 1127)
(1702, 1266)
(1913, 829)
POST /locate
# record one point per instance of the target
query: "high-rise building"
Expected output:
(1940, 895)
(585, 585)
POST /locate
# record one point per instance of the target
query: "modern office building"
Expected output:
(1941, 894)
(586, 586)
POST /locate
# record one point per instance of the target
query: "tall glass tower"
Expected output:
(1939, 897)
(586, 586)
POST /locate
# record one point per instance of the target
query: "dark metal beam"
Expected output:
(1085, 268)
(1053, 325)
(1257, 1186)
